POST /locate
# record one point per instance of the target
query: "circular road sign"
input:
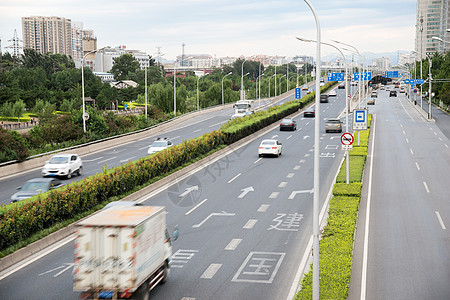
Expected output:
(86, 116)
(415, 91)
(347, 139)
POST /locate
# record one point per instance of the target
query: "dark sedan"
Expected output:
(288, 124)
(35, 186)
(309, 112)
(392, 93)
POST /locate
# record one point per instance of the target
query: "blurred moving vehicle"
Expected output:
(324, 98)
(269, 147)
(159, 145)
(371, 101)
(333, 125)
(290, 124)
(392, 93)
(63, 165)
(332, 93)
(35, 186)
(122, 252)
(309, 112)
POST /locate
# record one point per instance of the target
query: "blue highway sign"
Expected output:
(364, 76)
(298, 93)
(336, 76)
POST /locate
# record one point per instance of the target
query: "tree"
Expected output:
(123, 65)
(18, 109)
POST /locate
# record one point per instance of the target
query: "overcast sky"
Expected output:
(227, 28)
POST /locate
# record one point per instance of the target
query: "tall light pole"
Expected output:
(280, 81)
(259, 90)
(316, 166)
(198, 101)
(82, 84)
(146, 92)
(275, 79)
(175, 88)
(346, 102)
(269, 82)
(421, 49)
(297, 77)
(242, 80)
(258, 79)
(223, 103)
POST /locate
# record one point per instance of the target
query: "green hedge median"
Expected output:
(336, 244)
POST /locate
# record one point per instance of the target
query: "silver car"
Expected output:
(333, 125)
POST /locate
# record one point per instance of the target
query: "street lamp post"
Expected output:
(198, 101)
(346, 101)
(280, 82)
(269, 82)
(258, 79)
(315, 280)
(223, 103)
(146, 92)
(82, 84)
(242, 80)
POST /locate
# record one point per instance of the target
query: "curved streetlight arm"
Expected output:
(82, 83)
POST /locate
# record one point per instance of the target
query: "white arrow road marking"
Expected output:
(305, 137)
(223, 214)
(299, 192)
(66, 265)
(188, 190)
(246, 191)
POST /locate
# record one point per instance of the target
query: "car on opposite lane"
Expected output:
(309, 112)
(159, 145)
(333, 125)
(289, 124)
(270, 147)
(35, 186)
(63, 165)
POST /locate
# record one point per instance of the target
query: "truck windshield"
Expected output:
(242, 106)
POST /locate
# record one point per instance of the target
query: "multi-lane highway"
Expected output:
(403, 241)
(244, 221)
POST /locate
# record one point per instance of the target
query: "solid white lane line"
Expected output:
(231, 180)
(366, 227)
(426, 187)
(263, 208)
(440, 220)
(250, 223)
(107, 159)
(282, 184)
(195, 207)
(417, 166)
(233, 244)
(211, 271)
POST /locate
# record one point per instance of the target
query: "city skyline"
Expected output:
(228, 28)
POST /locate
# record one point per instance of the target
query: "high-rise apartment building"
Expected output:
(47, 34)
(432, 20)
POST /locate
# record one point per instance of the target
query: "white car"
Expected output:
(63, 165)
(332, 93)
(270, 147)
(159, 144)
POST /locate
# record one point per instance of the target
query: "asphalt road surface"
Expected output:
(244, 222)
(402, 248)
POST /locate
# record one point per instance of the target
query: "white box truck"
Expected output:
(243, 108)
(121, 253)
